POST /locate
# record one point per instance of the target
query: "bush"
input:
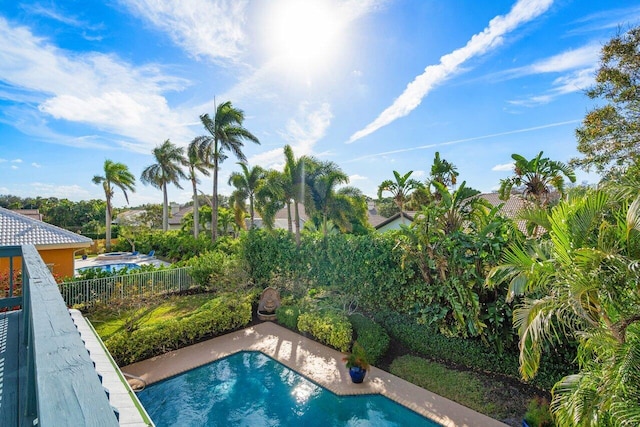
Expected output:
(470, 353)
(217, 270)
(222, 314)
(328, 327)
(288, 316)
(371, 336)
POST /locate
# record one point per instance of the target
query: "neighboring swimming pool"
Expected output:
(251, 389)
(111, 267)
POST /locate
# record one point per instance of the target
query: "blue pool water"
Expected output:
(111, 267)
(250, 389)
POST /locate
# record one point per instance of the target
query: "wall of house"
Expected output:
(59, 261)
(393, 225)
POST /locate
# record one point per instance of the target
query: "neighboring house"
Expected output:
(130, 217)
(176, 213)
(55, 245)
(372, 214)
(510, 208)
(282, 220)
(395, 221)
(31, 213)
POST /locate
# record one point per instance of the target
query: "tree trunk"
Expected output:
(196, 211)
(107, 243)
(165, 208)
(289, 221)
(297, 214)
(251, 211)
(214, 200)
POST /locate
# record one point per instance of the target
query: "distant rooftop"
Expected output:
(17, 229)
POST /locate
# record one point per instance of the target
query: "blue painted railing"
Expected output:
(62, 386)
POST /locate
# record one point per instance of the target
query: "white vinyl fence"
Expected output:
(106, 289)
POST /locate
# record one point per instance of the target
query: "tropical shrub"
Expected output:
(371, 336)
(287, 316)
(329, 327)
(470, 353)
(216, 270)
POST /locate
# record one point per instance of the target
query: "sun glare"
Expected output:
(303, 34)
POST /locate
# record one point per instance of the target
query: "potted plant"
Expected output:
(538, 414)
(357, 363)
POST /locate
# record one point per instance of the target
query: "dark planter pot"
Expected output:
(525, 424)
(357, 374)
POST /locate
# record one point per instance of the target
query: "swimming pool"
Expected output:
(111, 267)
(251, 389)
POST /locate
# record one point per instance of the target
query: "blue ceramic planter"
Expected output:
(357, 374)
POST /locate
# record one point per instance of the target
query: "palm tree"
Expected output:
(225, 134)
(294, 186)
(582, 282)
(165, 171)
(271, 196)
(538, 175)
(400, 189)
(247, 183)
(323, 177)
(115, 174)
(196, 164)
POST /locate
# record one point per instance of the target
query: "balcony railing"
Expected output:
(58, 384)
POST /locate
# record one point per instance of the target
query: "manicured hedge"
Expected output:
(222, 314)
(328, 327)
(371, 336)
(469, 353)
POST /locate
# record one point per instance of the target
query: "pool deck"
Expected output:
(321, 364)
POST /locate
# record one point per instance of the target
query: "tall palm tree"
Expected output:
(167, 170)
(294, 186)
(226, 133)
(538, 175)
(118, 175)
(196, 164)
(582, 282)
(400, 189)
(323, 177)
(246, 184)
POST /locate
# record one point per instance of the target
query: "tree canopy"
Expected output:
(610, 134)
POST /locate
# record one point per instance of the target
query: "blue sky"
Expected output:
(373, 85)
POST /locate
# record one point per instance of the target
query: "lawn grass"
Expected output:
(111, 319)
(492, 396)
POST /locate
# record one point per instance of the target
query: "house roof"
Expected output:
(17, 229)
(176, 218)
(408, 215)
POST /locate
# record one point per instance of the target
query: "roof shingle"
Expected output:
(16, 229)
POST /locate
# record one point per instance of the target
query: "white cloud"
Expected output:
(490, 38)
(16, 161)
(503, 167)
(202, 28)
(302, 133)
(357, 177)
(93, 88)
(586, 56)
(14, 167)
(573, 82)
(72, 192)
(3, 160)
(36, 165)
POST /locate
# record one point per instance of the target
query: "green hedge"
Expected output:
(222, 314)
(470, 353)
(371, 336)
(287, 316)
(328, 327)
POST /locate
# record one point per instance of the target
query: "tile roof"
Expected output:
(16, 229)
